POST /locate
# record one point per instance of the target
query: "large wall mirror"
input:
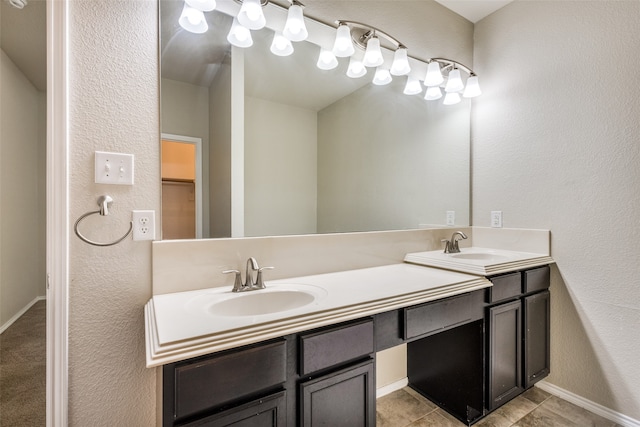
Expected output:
(270, 145)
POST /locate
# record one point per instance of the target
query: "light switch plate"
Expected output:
(113, 168)
(496, 219)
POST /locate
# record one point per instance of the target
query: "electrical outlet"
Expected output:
(496, 219)
(451, 218)
(144, 225)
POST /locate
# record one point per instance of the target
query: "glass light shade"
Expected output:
(373, 54)
(193, 20)
(451, 98)
(295, 28)
(434, 75)
(327, 60)
(251, 16)
(382, 77)
(400, 65)
(281, 45)
(239, 35)
(473, 88)
(454, 83)
(413, 86)
(202, 5)
(433, 93)
(343, 46)
(356, 68)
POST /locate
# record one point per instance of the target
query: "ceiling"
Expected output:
(23, 32)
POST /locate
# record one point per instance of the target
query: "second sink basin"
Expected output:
(274, 299)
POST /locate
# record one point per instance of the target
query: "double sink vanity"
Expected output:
(302, 351)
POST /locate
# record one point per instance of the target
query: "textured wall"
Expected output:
(555, 145)
(113, 107)
(22, 197)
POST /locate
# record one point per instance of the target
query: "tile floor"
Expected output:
(535, 407)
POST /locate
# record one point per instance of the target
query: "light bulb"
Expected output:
(433, 93)
(382, 77)
(295, 28)
(327, 60)
(373, 54)
(434, 75)
(413, 86)
(281, 45)
(343, 46)
(239, 35)
(356, 68)
(473, 88)
(451, 98)
(454, 82)
(400, 65)
(193, 20)
(251, 16)
(202, 5)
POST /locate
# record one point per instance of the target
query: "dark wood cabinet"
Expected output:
(518, 321)
(505, 353)
(537, 309)
(345, 398)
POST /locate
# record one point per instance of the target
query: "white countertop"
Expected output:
(177, 328)
(488, 261)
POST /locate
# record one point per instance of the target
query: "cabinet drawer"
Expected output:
(505, 287)
(215, 381)
(327, 348)
(537, 279)
(437, 316)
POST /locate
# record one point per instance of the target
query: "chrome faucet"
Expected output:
(249, 284)
(451, 246)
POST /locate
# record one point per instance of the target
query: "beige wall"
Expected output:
(22, 196)
(390, 161)
(114, 106)
(280, 169)
(555, 145)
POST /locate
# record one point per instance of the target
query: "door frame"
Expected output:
(57, 228)
(198, 143)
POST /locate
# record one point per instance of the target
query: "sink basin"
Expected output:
(479, 256)
(275, 298)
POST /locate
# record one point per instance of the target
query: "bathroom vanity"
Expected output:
(469, 353)
(473, 341)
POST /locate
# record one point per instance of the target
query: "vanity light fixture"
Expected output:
(281, 45)
(382, 77)
(451, 98)
(373, 53)
(251, 15)
(343, 46)
(327, 60)
(434, 74)
(294, 28)
(433, 93)
(238, 35)
(400, 65)
(193, 20)
(413, 86)
(454, 81)
(356, 68)
(473, 88)
(202, 5)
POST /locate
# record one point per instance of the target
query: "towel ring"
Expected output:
(103, 202)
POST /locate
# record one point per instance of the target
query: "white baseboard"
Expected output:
(596, 408)
(390, 388)
(20, 313)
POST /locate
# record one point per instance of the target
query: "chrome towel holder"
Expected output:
(103, 203)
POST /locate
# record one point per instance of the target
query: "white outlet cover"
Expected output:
(496, 219)
(113, 168)
(144, 225)
(451, 217)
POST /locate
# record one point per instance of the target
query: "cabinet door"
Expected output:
(266, 412)
(342, 399)
(505, 353)
(536, 337)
